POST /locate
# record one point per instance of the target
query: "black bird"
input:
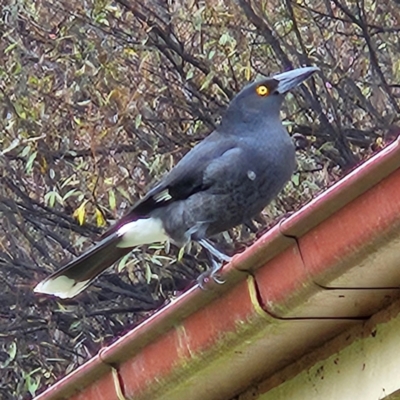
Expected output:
(224, 181)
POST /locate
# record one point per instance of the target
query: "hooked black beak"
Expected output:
(290, 79)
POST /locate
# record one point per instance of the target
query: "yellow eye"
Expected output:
(262, 90)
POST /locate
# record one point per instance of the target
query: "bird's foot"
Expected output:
(212, 273)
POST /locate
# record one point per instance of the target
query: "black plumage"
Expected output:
(224, 181)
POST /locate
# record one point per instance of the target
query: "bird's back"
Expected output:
(240, 175)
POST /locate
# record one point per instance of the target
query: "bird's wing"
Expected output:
(196, 172)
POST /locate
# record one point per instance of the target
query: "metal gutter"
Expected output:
(327, 267)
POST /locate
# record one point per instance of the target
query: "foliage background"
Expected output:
(99, 98)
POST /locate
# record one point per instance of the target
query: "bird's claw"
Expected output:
(217, 279)
(213, 274)
(206, 276)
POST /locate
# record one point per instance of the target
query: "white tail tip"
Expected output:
(61, 286)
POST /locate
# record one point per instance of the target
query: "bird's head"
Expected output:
(265, 96)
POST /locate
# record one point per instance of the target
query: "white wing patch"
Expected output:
(162, 196)
(251, 175)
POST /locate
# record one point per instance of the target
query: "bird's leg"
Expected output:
(216, 266)
(215, 252)
(250, 225)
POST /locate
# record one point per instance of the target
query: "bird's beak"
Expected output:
(290, 79)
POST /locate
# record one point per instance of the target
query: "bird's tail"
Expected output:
(79, 273)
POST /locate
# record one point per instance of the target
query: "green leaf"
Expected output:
(148, 273)
(51, 197)
(69, 194)
(12, 146)
(296, 179)
(12, 352)
(189, 74)
(111, 199)
(138, 120)
(124, 193)
(11, 47)
(224, 39)
(181, 253)
(29, 163)
(25, 151)
(32, 383)
(124, 260)
(207, 80)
